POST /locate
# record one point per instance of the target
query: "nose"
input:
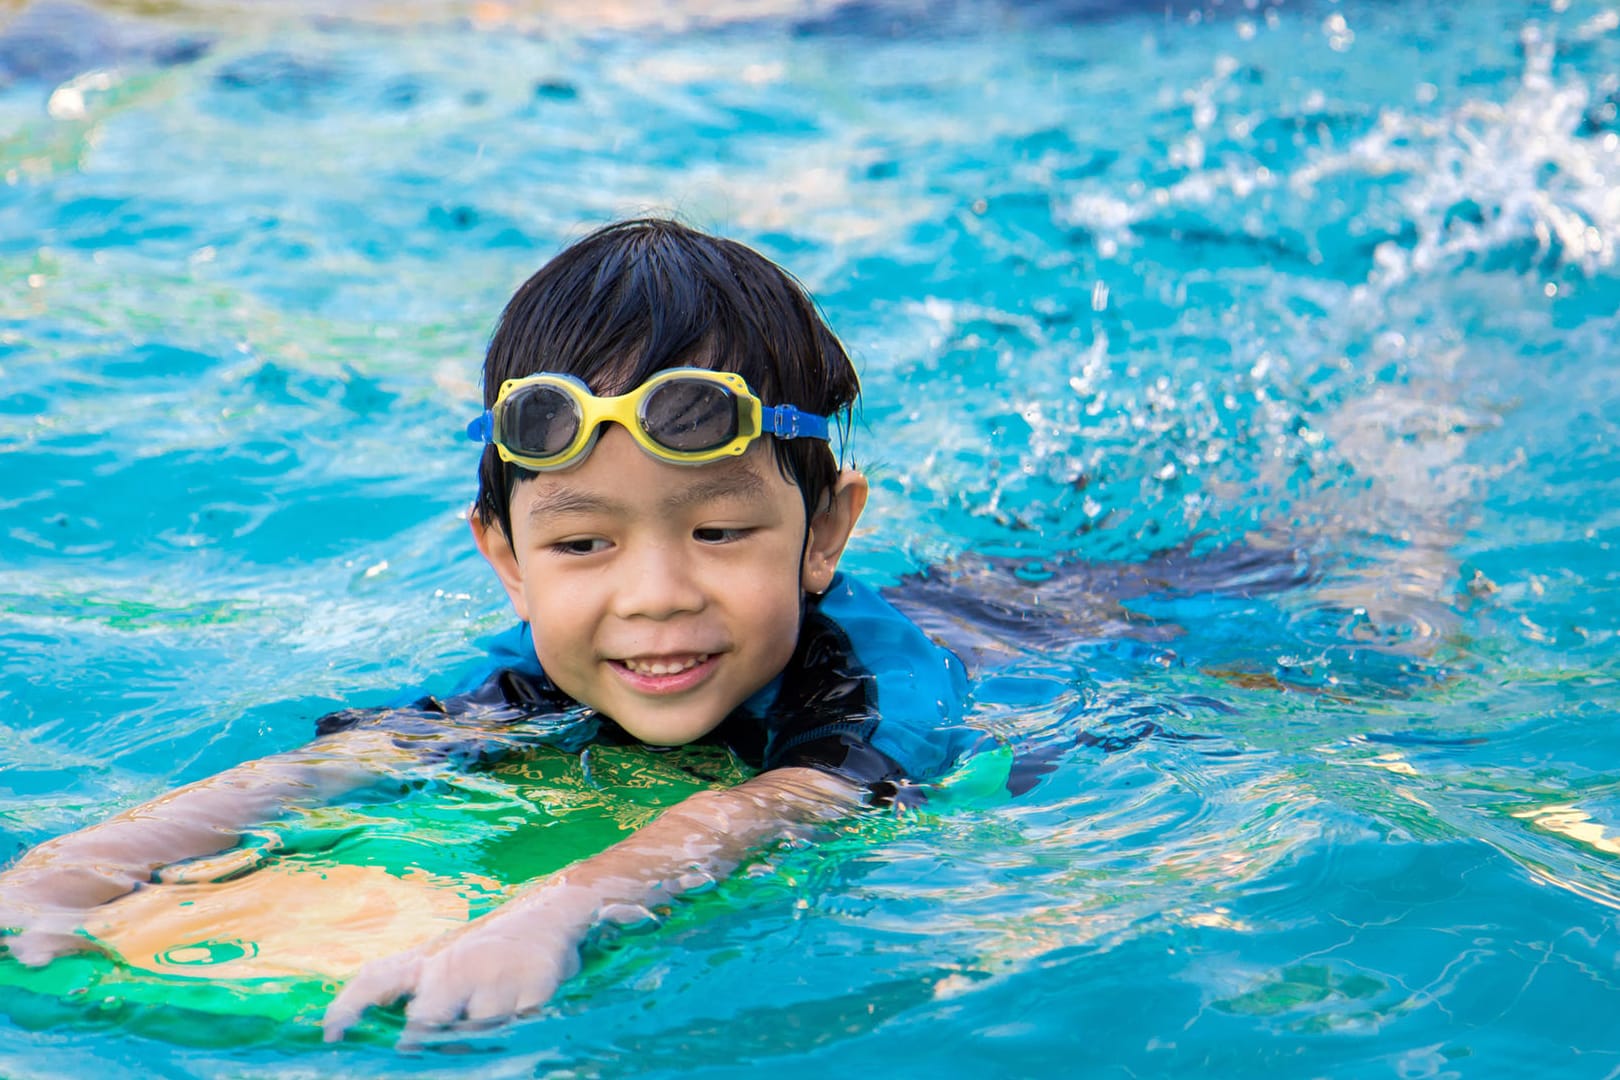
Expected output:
(657, 581)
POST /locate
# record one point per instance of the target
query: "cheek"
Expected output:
(561, 622)
(775, 619)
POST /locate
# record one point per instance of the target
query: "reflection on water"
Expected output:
(1269, 347)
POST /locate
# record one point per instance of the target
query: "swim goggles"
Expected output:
(688, 416)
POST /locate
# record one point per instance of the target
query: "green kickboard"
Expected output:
(229, 950)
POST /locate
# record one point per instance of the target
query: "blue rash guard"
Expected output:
(866, 695)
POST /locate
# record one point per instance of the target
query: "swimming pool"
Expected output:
(1328, 278)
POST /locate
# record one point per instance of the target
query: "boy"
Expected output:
(660, 502)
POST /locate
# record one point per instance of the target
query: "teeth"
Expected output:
(660, 667)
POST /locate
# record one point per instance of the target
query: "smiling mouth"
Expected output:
(664, 666)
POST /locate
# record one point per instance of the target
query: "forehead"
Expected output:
(619, 478)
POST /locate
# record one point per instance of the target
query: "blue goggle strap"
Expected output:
(786, 422)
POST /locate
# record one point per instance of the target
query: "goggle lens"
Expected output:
(540, 422)
(688, 415)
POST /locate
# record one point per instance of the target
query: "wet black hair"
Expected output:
(641, 296)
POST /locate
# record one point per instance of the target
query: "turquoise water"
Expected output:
(1329, 278)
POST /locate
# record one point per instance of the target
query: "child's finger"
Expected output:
(534, 995)
(517, 993)
(439, 1006)
(36, 948)
(491, 1002)
(381, 982)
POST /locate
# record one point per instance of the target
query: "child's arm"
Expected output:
(46, 894)
(513, 959)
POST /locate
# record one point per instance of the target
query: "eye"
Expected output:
(718, 535)
(587, 545)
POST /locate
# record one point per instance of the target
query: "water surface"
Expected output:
(1335, 280)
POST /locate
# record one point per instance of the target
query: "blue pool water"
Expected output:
(1333, 280)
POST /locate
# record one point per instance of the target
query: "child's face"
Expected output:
(661, 595)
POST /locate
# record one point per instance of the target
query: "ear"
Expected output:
(830, 530)
(497, 551)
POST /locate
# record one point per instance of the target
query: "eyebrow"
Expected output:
(568, 500)
(727, 481)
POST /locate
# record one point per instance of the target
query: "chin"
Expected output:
(665, 732)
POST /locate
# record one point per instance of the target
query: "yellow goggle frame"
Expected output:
(686, 416)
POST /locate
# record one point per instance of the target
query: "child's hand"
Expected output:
(42, 907)
(37, 944)
(512, 960)
(504, 964)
